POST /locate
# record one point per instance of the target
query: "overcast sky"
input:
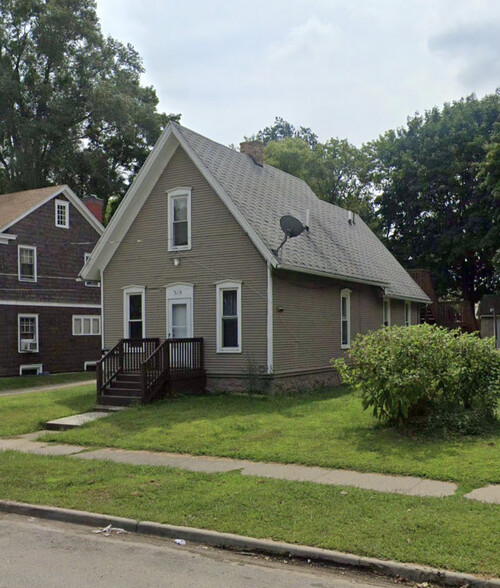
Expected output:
(345, 68)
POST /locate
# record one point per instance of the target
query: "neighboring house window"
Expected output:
(179, 219)
(91, 283)
(62, 214)
(26, 263)
(345, 318)
(134, 312)
(386, 312)
(28, 333)
(407, 313)
(86, 325)
(229, 317)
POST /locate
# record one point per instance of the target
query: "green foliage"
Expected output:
(437, 208)
(425, 374)
(336, 171)
(72, 109)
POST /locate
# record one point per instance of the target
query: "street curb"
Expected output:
(414, 573)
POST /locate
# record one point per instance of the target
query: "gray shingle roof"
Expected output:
(333, 246)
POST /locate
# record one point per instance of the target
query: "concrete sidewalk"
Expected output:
(407, 485)
(45, 388)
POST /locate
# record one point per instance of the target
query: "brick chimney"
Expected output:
(94, 204)
(255, 149)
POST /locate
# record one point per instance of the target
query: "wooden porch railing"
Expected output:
(174, 357)
(127, 355)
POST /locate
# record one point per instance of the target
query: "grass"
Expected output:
(19, 382)
(323, 429)
(29, 412)
(450, 533)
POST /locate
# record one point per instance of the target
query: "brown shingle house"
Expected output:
(191, 253)
(49, 321)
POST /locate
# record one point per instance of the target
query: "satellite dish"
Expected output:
(292, 227)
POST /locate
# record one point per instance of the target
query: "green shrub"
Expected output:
(425, 374)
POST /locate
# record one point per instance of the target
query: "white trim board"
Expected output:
(51, 304)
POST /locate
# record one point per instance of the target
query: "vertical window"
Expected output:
(26, 263)
(407, 313)
(229, 317)
(134, 315)
(62, 214)
(28, 333)
(179, 219)
(91, 283)
(345, 318)
(386, 312)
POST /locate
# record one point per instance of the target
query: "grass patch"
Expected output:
(19, 382)
(29, 412)
(322, 429)
(450, 533)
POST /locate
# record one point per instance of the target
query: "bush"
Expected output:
(425, 374)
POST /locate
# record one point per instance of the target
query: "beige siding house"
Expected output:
(191, 252)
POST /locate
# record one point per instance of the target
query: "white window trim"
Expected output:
(91, 284)
(81, 317)
(408, 308)
(172, 195)
(35, 264)
(220, 288)
(346, 293)
(31, 366)
(133, 289)
(65, 204)
(388, 301)
(37, 341)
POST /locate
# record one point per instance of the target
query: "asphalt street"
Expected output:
(36, 553)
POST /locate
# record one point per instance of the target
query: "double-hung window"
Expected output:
(27, 333)
(26, 257)
(407, 313)
(229, 317)
(179, 219)
(386, 312)
(62, 214)
(345, 318)
(86, 325)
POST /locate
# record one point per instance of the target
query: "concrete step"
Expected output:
(77, 420)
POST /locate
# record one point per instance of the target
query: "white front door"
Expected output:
(180, 322)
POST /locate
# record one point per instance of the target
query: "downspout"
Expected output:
(270, 341)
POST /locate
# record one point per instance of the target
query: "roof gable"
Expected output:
(17, 205)
(258, 196)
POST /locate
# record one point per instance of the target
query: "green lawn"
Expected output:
(324, 429)
(29, 412)
(18, 382)
(448, 533)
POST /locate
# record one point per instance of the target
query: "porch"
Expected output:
(144, 370)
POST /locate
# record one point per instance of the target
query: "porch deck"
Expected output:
(144, 370)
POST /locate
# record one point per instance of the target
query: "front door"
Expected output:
(180, 322)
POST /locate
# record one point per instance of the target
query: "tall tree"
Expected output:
(72, 109)
(437, 211)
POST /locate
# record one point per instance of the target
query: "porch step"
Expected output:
(125, 385)
(121, 391)
(115, 400)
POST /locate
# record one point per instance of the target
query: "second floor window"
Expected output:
(26, 263)
(62, 214)
(179, 219)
